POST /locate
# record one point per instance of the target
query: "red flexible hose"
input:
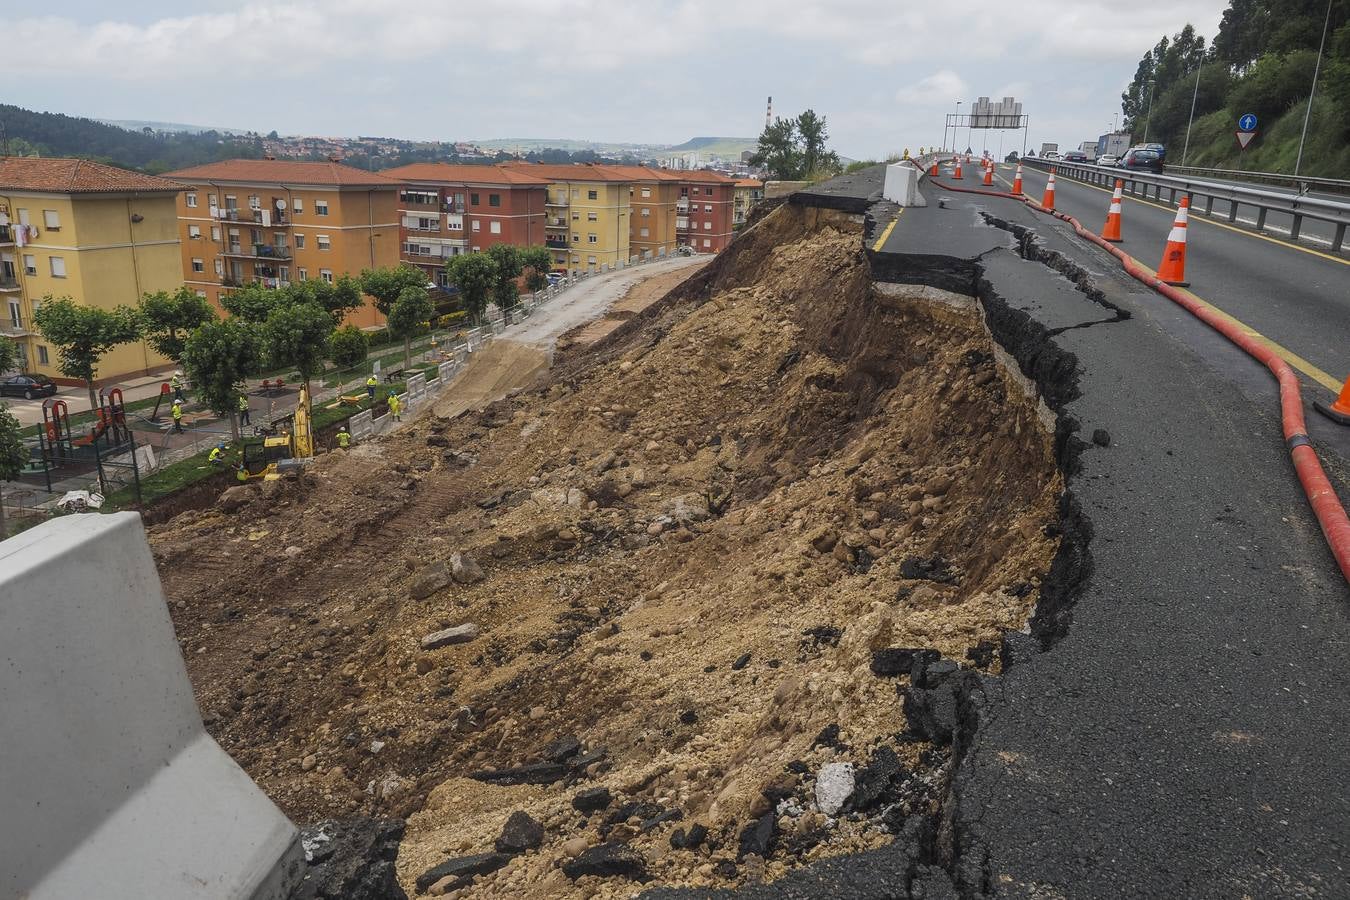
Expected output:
(1321, 495)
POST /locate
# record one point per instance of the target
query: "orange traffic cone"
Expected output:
(988, 176)
(1340, 410)
(933, 170)
(1017, 180)
(1172, 269)
(1048, 201)
(957, 174)
(1111, 230)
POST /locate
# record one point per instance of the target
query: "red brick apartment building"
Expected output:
(445, 210)
(704, 211)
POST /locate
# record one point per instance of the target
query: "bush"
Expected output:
(348, 346)
(1273, 85)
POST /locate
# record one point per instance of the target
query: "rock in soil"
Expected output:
(351, 859)
(520, 833)
(608, 861)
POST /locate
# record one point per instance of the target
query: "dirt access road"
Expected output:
(593, 308)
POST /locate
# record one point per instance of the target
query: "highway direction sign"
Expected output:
(1247, 122)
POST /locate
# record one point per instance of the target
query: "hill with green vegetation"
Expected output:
(726, 147)
(31, 133)
(1262, 61)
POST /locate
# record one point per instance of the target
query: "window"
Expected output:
(473, 199)
(303, 273)
(454, 222)
(42, 355)
(220, 266)
(707, 226)
(211, 200)
(298, 205)
(576, 238)
(231, 201)
(575, 193)
(494, 199)
(191, 198)
(707, 192)
(194, 231)
(23, 217)
(423, 223)
(255, 236)
(592, 238)
(477, 225)
(643, 233)
(200, 293)
(590, 260)
(576, 217)
(707, 207)
(495, 227)
(592, 217)
(198, 265)
(592, 195)
(284, 273)
(646, 212)
(684, 192)
(29, 264)
(707, 242)
(215, 232)
(322, 242)
(51, 219)
(58, 265)
(646, 192)
(320, 207)
(254, 202)
(326, 275)
(299, 242)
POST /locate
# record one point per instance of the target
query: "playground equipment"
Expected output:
(164, 392)
(109, 443)
(283, 451)
(110, 425)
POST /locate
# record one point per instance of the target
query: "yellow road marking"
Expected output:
(1201, 217)
(876, 247)
(1282, 352)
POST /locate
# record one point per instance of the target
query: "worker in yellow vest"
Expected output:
(217, 455)
(177, 413)
(344, 437)
(371, 384)
(243, 409)
(394, 407)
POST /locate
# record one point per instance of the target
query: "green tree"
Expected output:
(9, 355)
(13, 455)
(475, 275)
(348, 346)
(411, 309)
(537, 263)
(297, 335)
(778, 150)
(218, 357)
(168, 319)
(251, 302)
(339, 298)
(507, 258)
(816, 159)
(1337, 77)
(83, 334)
(387, 285)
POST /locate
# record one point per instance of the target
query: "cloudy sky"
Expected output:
(608, 70)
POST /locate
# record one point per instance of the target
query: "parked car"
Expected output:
(555, 277)
(1142, 159)
(1077, 156)
(28, 386)
(1108, 159)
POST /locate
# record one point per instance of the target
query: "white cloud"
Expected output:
(941, 89)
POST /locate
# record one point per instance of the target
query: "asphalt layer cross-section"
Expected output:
(1186, 734)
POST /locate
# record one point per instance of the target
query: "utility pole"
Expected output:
(1195, 93)
(1313, 93)
(1149, 114)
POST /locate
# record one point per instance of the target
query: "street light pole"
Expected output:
(1195, 93)
(956, 125)
(1149, 114)
(1313, 93)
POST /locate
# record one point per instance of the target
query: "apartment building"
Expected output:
(96, 234)
(748, 193)
(705, 210)
(445, 210)
(653, 195)
(276, 221)
(588, 210)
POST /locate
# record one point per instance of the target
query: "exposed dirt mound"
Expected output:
(688, 570)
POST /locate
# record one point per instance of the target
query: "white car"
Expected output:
(1107, 159)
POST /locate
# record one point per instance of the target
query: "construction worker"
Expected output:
(217, 455)
(344, 437)
(240, 473)
(371, 383)
(243, 409)
(394, 407)
(177, 413)
(176, 384)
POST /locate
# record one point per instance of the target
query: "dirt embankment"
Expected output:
(694, 562)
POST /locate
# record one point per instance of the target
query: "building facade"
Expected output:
(653, 195)
(748, 193)
(99, 235)
(445, 210)
(705, 211)
(588, 209)
(277, 221)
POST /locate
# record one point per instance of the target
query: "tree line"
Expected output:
(794, 149)
(1261, 61)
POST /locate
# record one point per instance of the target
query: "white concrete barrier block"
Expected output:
(112, 786)
(902, 185)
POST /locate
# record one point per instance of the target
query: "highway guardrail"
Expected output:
(1143, 184)
(1299, 182)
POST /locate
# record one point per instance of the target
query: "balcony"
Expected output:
(682, 224)
(6, 236)
(278, 218)
(682, 205)
(260, 251)
(553, 222)
(456, 208)
(13, 327)
(556, 243)
(559, 201)
(8, 283)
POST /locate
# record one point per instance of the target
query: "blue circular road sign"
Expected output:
(1247, 122)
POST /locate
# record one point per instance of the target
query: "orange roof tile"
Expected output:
(455, 174)
(283, 171)
(750, 183)
(75, 176)
(705, 176)
(572, 172)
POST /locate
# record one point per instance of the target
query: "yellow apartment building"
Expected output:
(277, 221)
(749, 192)
(587, 215)
(99, 235)
(652, 198)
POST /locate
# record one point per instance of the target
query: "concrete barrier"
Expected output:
(417, 386)
(112, 788)
(902, 185)
(360, 425)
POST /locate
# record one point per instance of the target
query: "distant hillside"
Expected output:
(55, 134)
(719, 146)
(1275, 149)
(138, 124)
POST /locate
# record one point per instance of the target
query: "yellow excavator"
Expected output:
(281, 453)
